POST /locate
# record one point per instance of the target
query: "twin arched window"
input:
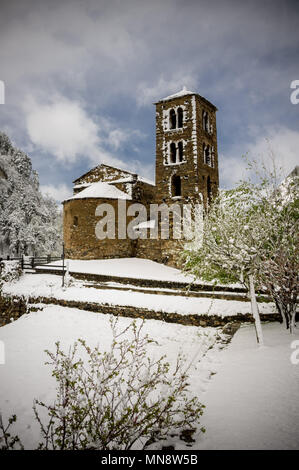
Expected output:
(176, 152)
(176, 118)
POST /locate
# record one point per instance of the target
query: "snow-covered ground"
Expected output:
(251, 401)
(127, 267)
(49, 285)
(24, 376)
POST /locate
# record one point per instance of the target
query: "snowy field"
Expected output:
(25, 377)
(251, 394)
(49, 285)
(253, 400)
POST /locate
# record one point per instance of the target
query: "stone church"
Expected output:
(186, 172)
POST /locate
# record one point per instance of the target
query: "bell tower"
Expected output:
(186, 149)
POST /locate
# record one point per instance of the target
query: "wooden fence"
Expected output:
(30, 262)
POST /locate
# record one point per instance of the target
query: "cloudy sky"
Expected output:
(81, 78)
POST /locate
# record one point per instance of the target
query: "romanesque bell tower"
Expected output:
(186, 149)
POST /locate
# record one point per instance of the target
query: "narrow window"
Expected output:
(176, 186)
(75, 221)
(209, 190)
(180, 118)
(172, 152)
(205, 121)
(172, 119)
(180, 148)
(207, 155)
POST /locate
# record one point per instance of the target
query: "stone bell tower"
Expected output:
(186, 149)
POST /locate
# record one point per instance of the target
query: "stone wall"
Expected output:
(80, 232)
(11, 308)
(136, 312)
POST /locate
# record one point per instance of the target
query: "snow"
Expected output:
(25, 377)
(252, 402)
(147, 224)
(250, 393)
(100, 190)
(131, 180)
(180, 93)
(47, 285)
(129, 267)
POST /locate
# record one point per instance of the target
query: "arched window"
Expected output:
(180, 149)
(180, 117)
(176, 186)
(205, 121)
(172, 119)
(209, 190)
(212, 157)
(207, 155)
(172, 152)
(75, 221)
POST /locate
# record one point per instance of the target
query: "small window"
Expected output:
(180, 118)
(209, 190)
(172, 153)
(180, 149)
(75, 221)
(207, 154)
(205, 121)
(176, 186)
(172, 119)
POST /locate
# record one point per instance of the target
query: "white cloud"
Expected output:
(61, 128)
(279, 145)
(59, 193)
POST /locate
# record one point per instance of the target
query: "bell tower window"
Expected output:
(180, 118)
(180, 149)
(172, 152)
(207, 155)
(205, 121)
(172, 119)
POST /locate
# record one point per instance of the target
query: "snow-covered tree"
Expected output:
(29, 222)
(279, 259)
(250, 236)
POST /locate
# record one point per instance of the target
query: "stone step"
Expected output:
(146, 283)
(243, 297)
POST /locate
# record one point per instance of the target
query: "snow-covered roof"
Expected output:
(100, 190)
(146, 224)
(131, 180)
(180, 93)
(82, 185)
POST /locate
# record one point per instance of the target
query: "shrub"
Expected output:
(120, 399)
(10, 271)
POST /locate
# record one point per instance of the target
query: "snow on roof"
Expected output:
(182, 92)
(146, 224)
(82, 185)
(101, 190)
(131, 180)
